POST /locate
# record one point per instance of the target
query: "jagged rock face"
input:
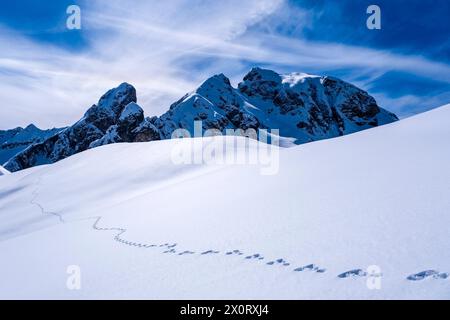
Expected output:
(129, 119)
(310, 108)
(303, 107)
(102, 123)
(146, 131)
(110, 106)
(265, 84)
(216, 103)
(131, 126)
(16, 140)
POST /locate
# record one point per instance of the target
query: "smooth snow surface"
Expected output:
(139, 226)
(3, 171)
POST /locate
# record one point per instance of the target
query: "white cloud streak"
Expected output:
(165, 49)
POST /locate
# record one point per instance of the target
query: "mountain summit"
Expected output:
(303, 107)
(18, 139)
(108, 121)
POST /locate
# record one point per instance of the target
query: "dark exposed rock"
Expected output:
(146, 131)
(95, 125)
(16, 140)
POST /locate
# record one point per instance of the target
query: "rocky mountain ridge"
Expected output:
(18, 139)
(303, 107)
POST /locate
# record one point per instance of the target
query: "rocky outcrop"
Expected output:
(115, 118)
(16, 140)
(131, 126)
(303, 107)
(310, 108)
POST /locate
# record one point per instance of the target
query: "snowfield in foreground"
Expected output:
(139, 226)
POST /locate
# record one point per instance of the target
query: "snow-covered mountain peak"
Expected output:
(121, 95)
(118, 97)
(292, 79)
(31, 127)
(216, 87)
(261, 83)
(218, 80)
(302, 107)
(16, 140)
(259, 74)
(110, 106)
(111, 120)
(132, 111)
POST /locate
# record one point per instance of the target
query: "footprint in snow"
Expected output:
(209, 252)
(426, 274)
(170, 251)
(255, 256)
(234, 252)
(353, 273)
(279, 262)
(168, 245)
(186, 252)
(310, 267)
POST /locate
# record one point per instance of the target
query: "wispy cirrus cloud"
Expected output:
(166, 48)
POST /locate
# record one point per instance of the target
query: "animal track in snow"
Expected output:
(426, 274)
(169, 248)
(234, 252)
(310, 267)
(353, 273)
(256, 256)
(33, 201)
(279, 261)
(209, 252)
(186, 252)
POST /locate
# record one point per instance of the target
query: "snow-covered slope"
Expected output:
(139, 226)
(3, 171)
(16, 140)
(302, 107)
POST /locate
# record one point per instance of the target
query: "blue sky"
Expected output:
(50, 75)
